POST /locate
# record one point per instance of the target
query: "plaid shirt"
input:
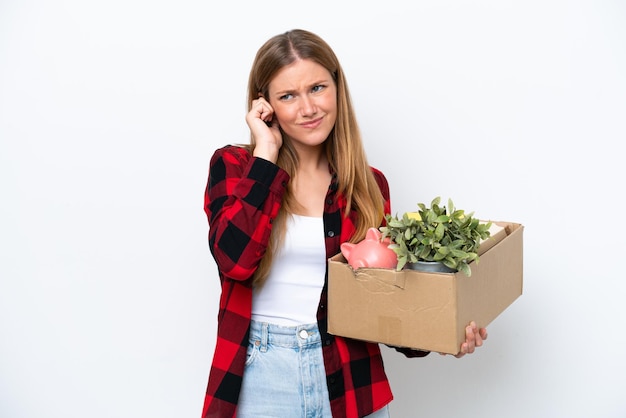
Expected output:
(243, 196)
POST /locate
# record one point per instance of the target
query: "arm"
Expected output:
(243, 196)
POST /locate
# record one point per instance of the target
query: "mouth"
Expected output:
(312, 124)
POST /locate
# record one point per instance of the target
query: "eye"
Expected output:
(285, 97)
(318, 88)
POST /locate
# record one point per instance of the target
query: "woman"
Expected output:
(277, 210)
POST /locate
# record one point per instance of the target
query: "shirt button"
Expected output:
(304, 334)
(331, 233)
(329, 201)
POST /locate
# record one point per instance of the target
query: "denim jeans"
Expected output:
(285, 375)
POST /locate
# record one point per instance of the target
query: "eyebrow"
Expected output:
(316, 83)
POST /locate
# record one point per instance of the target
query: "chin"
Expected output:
(311, 140)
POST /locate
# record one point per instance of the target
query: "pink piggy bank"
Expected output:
(370, 252)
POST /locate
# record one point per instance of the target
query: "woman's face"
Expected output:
(304, 98)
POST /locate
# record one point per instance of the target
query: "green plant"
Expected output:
(436, 233)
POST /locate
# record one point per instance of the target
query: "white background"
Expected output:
(110, 111)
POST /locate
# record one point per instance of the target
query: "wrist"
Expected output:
(268, 153)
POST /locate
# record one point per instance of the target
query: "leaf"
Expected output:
(424, 254)
(459, 254)
(439, 256)
(401, 263)
(463, 267)
(394, 223)
(450, 205)
(450, 263)
(439, 231)
(458, 215)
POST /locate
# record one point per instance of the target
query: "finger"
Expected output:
(264, 110)
(483, 333)
(470, 338)
(463, 351)
(479, 339)
(261, 110)
(481, 336)
(259, 106)
(259, 102)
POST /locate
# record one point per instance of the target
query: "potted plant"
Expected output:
(440, 234)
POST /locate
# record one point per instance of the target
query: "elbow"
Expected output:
(230, 266)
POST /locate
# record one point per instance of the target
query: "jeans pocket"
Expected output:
(253, 351)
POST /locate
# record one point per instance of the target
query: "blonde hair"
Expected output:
(344, 147)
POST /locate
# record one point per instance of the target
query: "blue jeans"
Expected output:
(285, 375)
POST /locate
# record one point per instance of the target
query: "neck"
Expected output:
(312, 159)
(310, 183)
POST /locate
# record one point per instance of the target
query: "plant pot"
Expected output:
(430, 267)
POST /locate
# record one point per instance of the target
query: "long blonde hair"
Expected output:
(344, 147)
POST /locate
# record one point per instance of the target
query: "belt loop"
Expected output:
(264, 337)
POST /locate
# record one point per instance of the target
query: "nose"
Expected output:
(308, 106)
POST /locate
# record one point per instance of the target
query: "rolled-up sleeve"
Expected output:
(243, 196)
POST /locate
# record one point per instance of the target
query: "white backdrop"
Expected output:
(110, 111)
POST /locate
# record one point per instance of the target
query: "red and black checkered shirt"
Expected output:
(243, 196)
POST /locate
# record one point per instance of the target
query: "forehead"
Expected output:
(300, 74)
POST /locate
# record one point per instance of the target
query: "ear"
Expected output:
(373, 234)
(346, 249)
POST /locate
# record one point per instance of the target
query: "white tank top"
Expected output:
(291, 293)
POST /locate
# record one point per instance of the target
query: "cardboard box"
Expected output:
(427, 311)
